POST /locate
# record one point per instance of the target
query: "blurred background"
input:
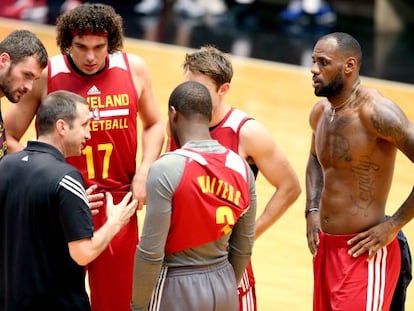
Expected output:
(271, 43)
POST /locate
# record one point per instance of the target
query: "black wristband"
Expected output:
(311, 210)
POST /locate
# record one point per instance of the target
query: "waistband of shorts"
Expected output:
(186, 270)
(338, 240)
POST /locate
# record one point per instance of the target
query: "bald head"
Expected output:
(189, 112)
(345, 44)
(192, 99)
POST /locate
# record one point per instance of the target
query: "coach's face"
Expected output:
(78, 132)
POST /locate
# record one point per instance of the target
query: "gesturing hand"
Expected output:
(120, 213)
(95, 199)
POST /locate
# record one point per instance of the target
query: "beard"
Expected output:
(331, 89)
(9, 94)
(6, 89)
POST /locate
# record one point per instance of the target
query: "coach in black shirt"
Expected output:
(46, 229)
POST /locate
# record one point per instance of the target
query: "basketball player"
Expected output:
(198, 231)
(22, 59)
(249, 138)
(356, 134)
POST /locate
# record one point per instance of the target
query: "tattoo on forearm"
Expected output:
(364, 172)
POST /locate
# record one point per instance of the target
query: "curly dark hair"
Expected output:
(90, 18)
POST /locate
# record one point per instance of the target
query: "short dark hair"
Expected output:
(21, 44)
(57, 105)
(192, 99)
(347, 44)
(92, 19)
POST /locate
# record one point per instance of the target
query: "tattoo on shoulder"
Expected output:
(389, 122)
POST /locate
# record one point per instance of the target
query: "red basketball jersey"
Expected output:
(109, 157)
(227, 131)
(212, 195)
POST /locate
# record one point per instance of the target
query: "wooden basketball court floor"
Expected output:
(280, 96)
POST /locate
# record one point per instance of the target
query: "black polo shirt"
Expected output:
(43, 206)
(3, 144)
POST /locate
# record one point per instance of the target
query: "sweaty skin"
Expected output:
(352, 156)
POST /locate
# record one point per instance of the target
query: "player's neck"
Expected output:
(219, 113)
(345, 103)
(194, 133)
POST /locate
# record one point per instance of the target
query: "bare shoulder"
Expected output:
(140, 73)
(42, 82)
(136, 62)
(255, 139)
(381, 115)
(257, 145)
(373, 97)
(252, 129)
(317, 111)
(374, 107)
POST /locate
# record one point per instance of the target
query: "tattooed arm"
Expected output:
(314, 185)
(391, 126)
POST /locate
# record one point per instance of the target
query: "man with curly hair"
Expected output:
(118, 88)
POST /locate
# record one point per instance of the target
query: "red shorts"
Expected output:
(342, 282)
(110, 274)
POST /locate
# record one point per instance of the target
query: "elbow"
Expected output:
(79, 254)
(294, 191)
(13, 144)
(290, 187)
(156, 125)
(80, 260)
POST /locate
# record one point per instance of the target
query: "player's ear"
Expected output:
(4, 59)
(224, 88)
(350, 64)
(172, 113)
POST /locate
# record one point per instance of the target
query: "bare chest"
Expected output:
(342, 141)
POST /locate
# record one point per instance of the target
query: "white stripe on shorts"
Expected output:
(155, 301)
(247, 300)
(376, 280)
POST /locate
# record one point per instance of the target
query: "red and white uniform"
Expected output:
(227, 133)
(343, 282)
(108, 160)
(220, 195)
